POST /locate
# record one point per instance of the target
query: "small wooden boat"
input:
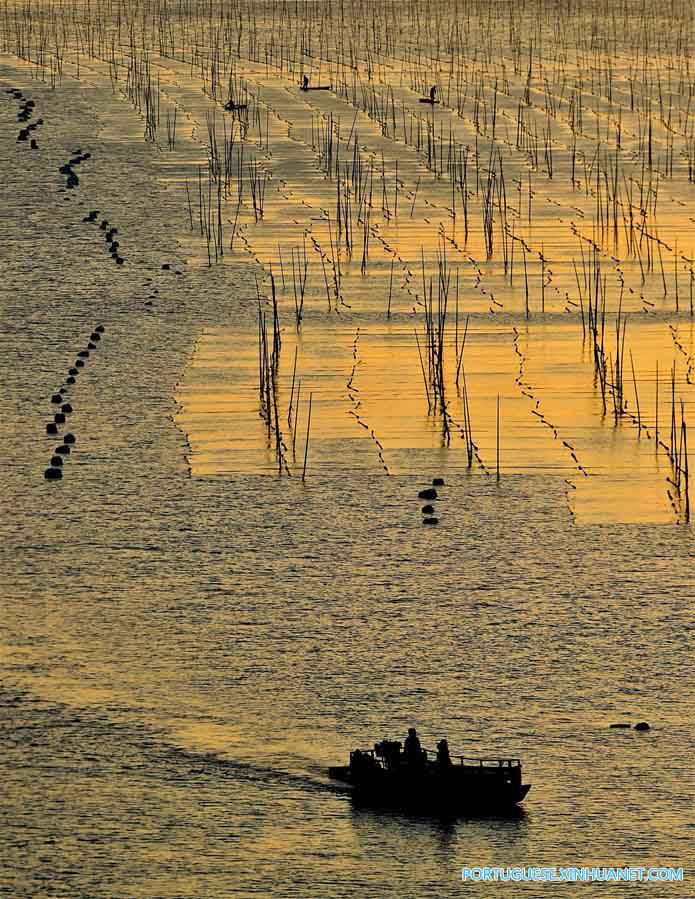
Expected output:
(384, 775)
(235, 107)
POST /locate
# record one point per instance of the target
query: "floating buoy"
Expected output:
(67, 408)
(51, 428)
(83, 354)
(430, 521)
(429, 493)
(79, 363)
(63, 450)
(59, 418)
(53, 474)
(100, 329)
(70, 380)
(91, 346)
(72, 371)
(119, 260)
(95, 336)
(438, 482)
(427, 510)
(56, 398)
(642, 725)
(166, 266)
(69, 438)
(56, 461)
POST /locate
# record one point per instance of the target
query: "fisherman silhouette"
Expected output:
(412, 749)
(443, 757)
(433, 91)
(305, 82)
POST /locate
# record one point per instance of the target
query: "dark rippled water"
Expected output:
(182, 658)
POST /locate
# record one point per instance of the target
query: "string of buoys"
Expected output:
(430, 493)
(112, 245)
(54, 472)
(68, 168)
(26, 111)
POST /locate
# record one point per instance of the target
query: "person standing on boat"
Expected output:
(412, 749)
(443, 757)
(433, 91)
(305, 82)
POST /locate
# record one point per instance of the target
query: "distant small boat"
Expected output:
(384, 775)
(304, 86)
(235, 107)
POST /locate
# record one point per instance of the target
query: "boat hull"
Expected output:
(455, 790)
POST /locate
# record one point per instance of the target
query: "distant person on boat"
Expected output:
(433, 91)
(443, 757)
(412, 749)
(305, 82)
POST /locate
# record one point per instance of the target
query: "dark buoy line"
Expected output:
(68, 169)
(111, 244)
(55, 470)
(430, 493)
(26, 111)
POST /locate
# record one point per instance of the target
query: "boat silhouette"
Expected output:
(231, 106)
(387, 776)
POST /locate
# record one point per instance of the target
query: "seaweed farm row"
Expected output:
(471, 228)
